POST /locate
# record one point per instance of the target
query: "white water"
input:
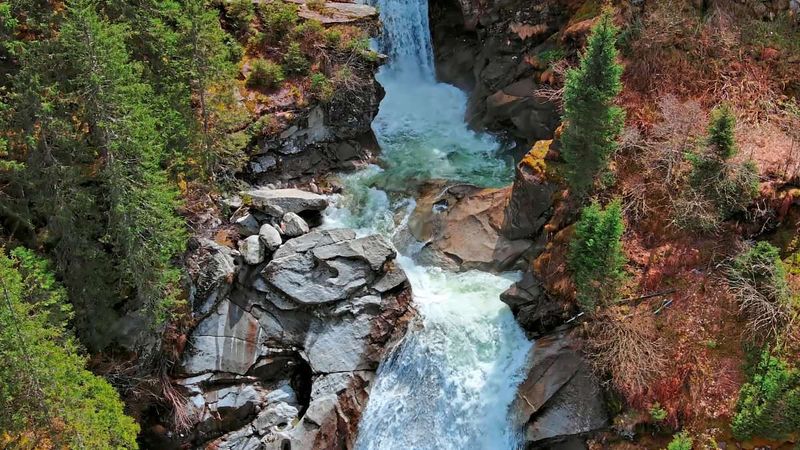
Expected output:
(449, 384)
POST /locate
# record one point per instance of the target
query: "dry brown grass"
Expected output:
(624, 343)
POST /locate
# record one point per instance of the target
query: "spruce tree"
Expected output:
(729, 185)
(596, 259)
(47, 398)
(593, 122)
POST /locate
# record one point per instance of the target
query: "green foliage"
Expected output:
(308, 34)
(240, 13)
(681, 441)
(295, 61)
(548, 57)
(321, 87)
(46, 393)
(593, 122)
(769, 405)
(762, 264)
(595, 257)
(719, 187)
(264, 74)
(657, 413)
(277, 18)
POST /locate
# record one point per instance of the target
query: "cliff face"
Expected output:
(290, 325)
(501, 51)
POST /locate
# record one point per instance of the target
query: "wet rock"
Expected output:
(277, 202)
(293, 225)
(463, 224)
(270, 237)
(560, 397)
(252, 250)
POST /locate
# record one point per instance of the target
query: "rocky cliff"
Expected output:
(291, 323)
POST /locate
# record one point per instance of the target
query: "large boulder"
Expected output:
(560, 398)
(531, 202)
(462, 227)
(288, 351)
(277, 202)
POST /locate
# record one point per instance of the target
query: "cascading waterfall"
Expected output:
(449, 384)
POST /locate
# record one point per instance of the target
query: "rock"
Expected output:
(252, 250)
(338, 345)
(247, 225)
(277, 202)
(308, 281)
(318, 318)
(338, 12)
(215, 272)
(533, 117)
(374, 249)
(531, 202)
(225, 341)
(270, 237)
(560, 396)
(313, 239)
(462, 224)
(262, 163)
(293, 225)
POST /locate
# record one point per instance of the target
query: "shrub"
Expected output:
(294, 61)
(757, 278)
(769, 405)
(316, 5)
(657, 413)
(309, 33)
(47, 398)
(593, 122)
(264, 74)
(333, 37)
(626, 345)
(731, 186)
(240, 13)
(321, 87)
(595, 257)
(681, 441)
(277, 18)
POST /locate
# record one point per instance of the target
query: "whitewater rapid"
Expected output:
(449, 383)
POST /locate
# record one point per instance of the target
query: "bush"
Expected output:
(595, 256)
(294, 61)
(321, 87)
(681, 441)
(309, 34)
(657, 413)
(277, 18)
(769, 405)
(240, 13)
(316, 5)
(757, 278)
(729, 185)
(264, 74)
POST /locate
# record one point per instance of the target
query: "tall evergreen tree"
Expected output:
(595, 257)
(593, 122)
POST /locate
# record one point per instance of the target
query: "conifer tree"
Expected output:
(47, 398)
(596, 258)
(593, 122)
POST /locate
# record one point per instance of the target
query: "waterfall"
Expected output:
(449, 384)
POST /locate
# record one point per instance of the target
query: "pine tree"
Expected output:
(729, 185)
(47, 398)
(596, 258)
(593, 122)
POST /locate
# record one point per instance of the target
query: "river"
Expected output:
(450, 382)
